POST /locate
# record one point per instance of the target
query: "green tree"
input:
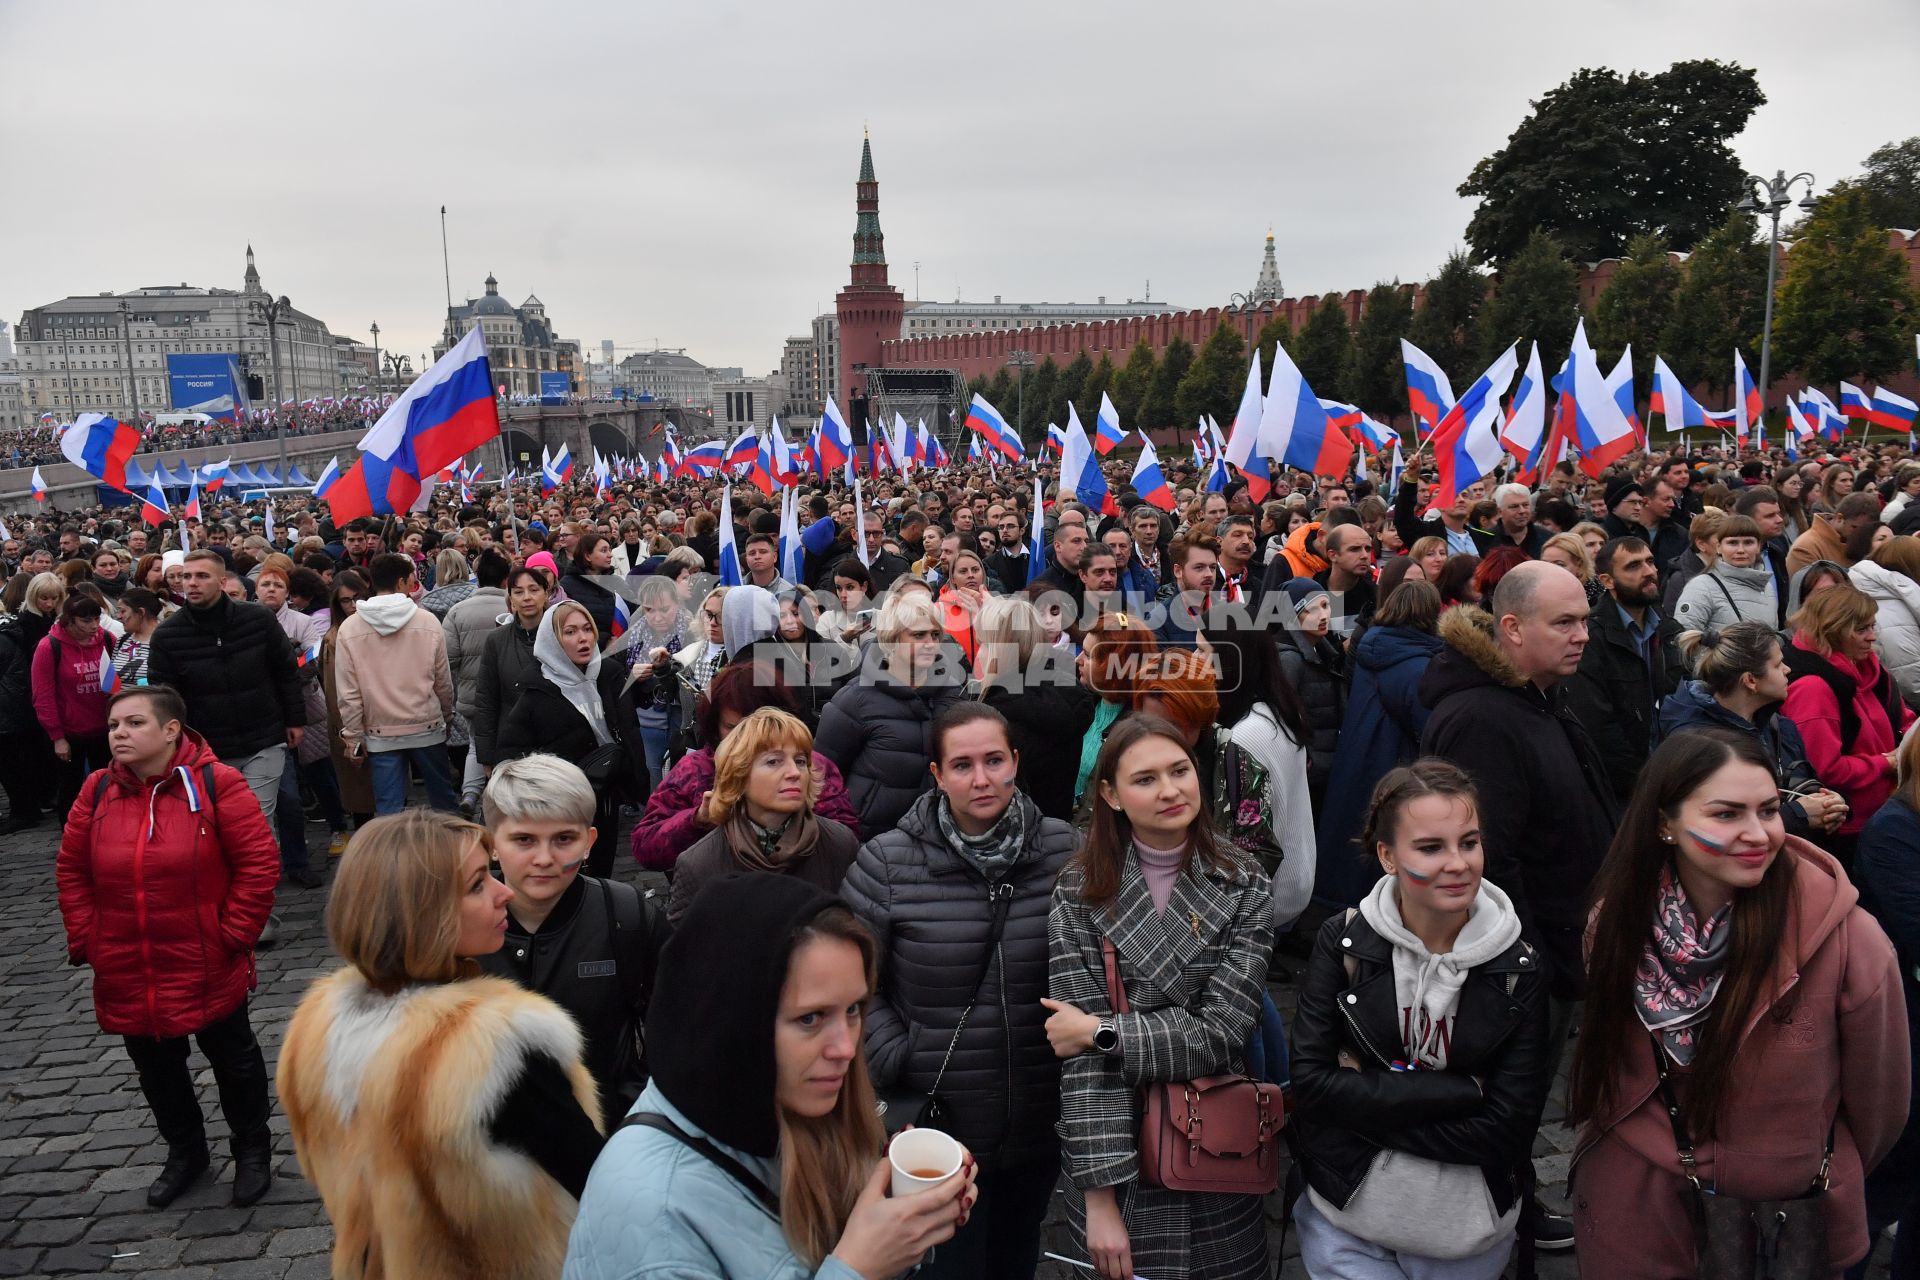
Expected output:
(1036, 399)
(1272, 333)
(1132, 382)
(1158, 407)
(1320, 348)
(1000, 392)
(1846, 305)
(1892, 183)
(1604, 157)
(1066, 391)
(1637, 303)
(1719, 306)
(1447, 324)
(1374, 378)
(1098, 382)
(1213, 381)
(1537, 297)
(977, 385)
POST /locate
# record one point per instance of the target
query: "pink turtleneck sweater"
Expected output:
(1159, 868)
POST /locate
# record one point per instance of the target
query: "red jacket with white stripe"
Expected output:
(164, 890)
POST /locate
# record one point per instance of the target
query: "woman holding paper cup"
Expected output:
(754, 1151)
(1191, 922)
(958, 896)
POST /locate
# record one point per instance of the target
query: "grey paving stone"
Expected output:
(246, 1244)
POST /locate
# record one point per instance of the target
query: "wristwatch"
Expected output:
(1106, 1037)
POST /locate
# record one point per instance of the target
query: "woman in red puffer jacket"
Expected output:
(166, 873)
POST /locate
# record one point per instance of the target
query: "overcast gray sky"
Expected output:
(684, 173)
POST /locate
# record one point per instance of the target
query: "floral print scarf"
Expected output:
(1681, 968)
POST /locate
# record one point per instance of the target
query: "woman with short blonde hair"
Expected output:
(445, 1118)
(761, 809)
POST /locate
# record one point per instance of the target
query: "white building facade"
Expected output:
(945, 319)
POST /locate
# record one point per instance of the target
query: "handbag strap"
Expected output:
(769, 1200)
(1116, 990)
(1737, 615)
(1685, 1145)
(1000, 895)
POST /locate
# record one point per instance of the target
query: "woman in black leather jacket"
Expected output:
(1420, 1055)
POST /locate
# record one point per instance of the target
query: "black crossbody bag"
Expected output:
(760, 1191)
(900, 1107)
(1736, 1239)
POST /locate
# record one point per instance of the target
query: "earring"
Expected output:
(1665, 836)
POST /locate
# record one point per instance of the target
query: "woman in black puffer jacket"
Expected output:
(973, 851)
(878, 729)
(30, 763)
(1314, 666)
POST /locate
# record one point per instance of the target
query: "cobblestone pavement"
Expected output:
(78, 1147)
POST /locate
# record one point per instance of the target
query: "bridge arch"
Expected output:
(523, 448)
(609, 439)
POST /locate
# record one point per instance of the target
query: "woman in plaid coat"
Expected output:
(1191, 923)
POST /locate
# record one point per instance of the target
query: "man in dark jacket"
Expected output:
(1515, 526)
(1626, 501)
(1547, 811)
(1009, 561)
(235, 667)
(1663, 528)
(1451, 524)
(591, 946)
(1632, 661)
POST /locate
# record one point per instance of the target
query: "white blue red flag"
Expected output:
(1429, 394)
(1672, 401)
(1466, 444)
(835, 448)
(445, 413)
(39, 485)
(729, 556)
(101, 447)
(1895, 412)
(109, 673)
(1746, 399)
(1525, 431)
(1080, 471)
(1245, 448)
(1148, 480)
(153, 507)
(1295, 430)
(1855, 404)
(1603, 433)
(1106, 432)
(983, 418)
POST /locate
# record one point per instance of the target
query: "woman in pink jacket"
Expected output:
(69, 695)
(1846, 706)
(1739, 1002)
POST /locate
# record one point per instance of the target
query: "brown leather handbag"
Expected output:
(1217, 1133)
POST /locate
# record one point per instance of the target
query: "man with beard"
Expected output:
(1632, 661)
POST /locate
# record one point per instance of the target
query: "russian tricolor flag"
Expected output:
(1894, 412)
(1429, 394)
(1854, 403)
(986, 420)
(1057, 438)
(153, 507)
(215, 474)
(1148, 480)
(1603, 433)
(744, 449)
(109, 674)
(730, 575)
(1671, 400)
(1295, 430)
(1466, 443)
(1080, 470)
(101, 447)
(1525, 431)
(447, 412)
(39, 485)
(1107, 432)
(835, 440)
(193, 499)
(622, 617)
(1244, 448)
(704, 459)
(1746, 399)
(1344, 416)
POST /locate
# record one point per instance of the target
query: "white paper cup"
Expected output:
(923, 1158)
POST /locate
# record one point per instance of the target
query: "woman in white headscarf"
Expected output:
(582, 711)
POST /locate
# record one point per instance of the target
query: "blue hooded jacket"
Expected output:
(1692, 706)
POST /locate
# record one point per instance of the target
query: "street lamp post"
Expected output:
(1022, 360)
(133, 384)
(1772, 198)
(1245, 301)
(399, 366)
(375, 326)
(272, 308)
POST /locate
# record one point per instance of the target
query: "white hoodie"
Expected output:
(1408, 1203)
(386, 614)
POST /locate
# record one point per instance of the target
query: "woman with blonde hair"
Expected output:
(754, 1151)
(1430, 553)
(878, 728)
(1032, 684)
(761, 809)
(445, 1117)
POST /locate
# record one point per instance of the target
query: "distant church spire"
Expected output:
(1267, 288)
(869, 245)
(253, 273)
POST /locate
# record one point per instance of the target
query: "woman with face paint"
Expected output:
(1420, 1055)
(1732, 969)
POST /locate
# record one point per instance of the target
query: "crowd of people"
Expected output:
(1011, 825)
(39, 444)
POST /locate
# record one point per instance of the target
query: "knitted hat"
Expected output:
(1303, 591)
(1619, 491)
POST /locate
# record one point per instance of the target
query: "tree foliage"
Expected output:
(1000, 392)
(1846, 306)
(1158, 407)
(1320, 348)
(1447, 325)
(1604, 157)
(1132, 382)
(1636, 306)
(1073, 379)
(1098, 381)
(1719, 306)
(1538, 297)
(1213, 381)
(1032, 403)
(1373, 378)
(1892, 184)
(1273, 332)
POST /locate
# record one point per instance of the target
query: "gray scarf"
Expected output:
(996, 852)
